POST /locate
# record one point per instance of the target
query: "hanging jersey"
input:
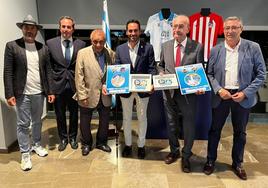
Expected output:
(205, 30)
(160, 31)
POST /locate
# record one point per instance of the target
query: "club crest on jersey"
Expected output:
(210, 24)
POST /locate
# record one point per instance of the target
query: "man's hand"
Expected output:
(11, 101)
(85, 102)
(238, 96)
(224, 94)
(51, 98)
(104, 90)
(200, 92)
(152, 89)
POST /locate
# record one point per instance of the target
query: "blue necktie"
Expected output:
(67, 51)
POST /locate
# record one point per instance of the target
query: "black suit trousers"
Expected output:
(85, 124)
(239, 116)
(62, 101)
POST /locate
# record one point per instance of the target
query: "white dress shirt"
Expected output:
(231, 67)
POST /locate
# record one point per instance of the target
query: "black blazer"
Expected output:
(145, 63)
(62, 71)
(15, 68)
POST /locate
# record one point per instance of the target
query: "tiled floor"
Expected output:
(101, 170)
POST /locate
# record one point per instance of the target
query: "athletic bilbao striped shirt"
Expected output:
(205, 30)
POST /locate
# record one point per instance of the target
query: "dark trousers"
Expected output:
(187, 106)
(62, 101)
(239, 116)
(85, 124)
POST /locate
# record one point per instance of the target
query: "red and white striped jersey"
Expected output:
(206, 29)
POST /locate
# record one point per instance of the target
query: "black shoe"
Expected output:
(85, 150)
(127, 151)
(62, 145)
(209, 168)
(104, 147)
(141, 152)
(240, 172)
(185, 165)
(73, 143)
(172, 157)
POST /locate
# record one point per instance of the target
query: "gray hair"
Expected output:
(234, 18)
(95, 32)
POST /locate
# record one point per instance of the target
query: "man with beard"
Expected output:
(179, 52)
(236, 71)
(27, 79)
(140, 56)
(63, 51)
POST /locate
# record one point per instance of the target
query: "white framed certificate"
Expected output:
(117, 78)
(192, 78)
(140, 82)
(164, 82)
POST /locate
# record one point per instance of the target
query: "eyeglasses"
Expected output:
(95, 42)
(179, 26)
(233, 28)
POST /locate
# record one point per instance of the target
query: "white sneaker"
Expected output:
(26, 163)
(39, 150)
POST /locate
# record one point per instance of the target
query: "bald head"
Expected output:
(98, 40)
(181, 27)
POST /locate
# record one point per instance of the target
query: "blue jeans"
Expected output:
(29, 112)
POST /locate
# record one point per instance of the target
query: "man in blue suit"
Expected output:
(63, 52)
(140, 56)
(236, 71)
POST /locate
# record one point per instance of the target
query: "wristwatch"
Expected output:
(219, 92)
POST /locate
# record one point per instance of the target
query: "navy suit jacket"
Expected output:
(15, 68)
(145, 63)
(62, 71)
(251, 71)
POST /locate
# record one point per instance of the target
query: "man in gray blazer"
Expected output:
(63, 51)
(179, 52)
(27, 79)
(236, 71)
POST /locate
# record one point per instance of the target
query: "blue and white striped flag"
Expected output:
(105, 24)
(106, 29)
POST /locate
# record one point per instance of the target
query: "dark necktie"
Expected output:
(101, 61)
(67, 51)
(178, 56)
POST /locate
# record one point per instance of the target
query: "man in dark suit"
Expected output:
(236, 71)
(140, 56)
(63, 51)
(179, 52)
(27, 79)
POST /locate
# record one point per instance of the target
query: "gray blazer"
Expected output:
(194, 53)
(15, 68)
(251, 71)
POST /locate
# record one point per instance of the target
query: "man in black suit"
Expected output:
(63, 51)
(27, 79)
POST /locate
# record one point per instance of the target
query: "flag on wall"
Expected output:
(105, 24)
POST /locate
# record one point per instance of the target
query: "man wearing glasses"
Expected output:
(90, 74)
(236, 71)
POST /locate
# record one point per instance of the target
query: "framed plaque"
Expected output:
(140, 82)
(117, 78)
(192, 78)
(166, 81)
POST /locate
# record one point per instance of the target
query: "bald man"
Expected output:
(179, 52)
(90, 74)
